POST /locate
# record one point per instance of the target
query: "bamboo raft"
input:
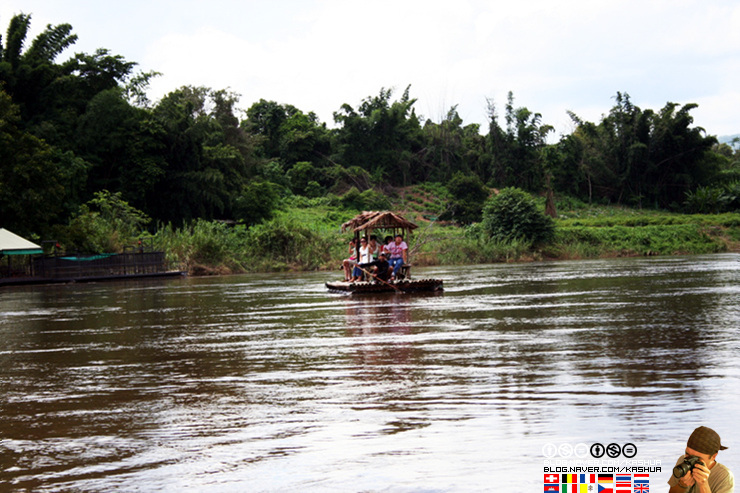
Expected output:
(366, 223)
(403, 286)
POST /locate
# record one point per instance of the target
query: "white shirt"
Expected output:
(365, 254)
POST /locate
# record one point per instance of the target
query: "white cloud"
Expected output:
(208, 57)
(555, 56)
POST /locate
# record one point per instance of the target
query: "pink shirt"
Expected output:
(396, 251)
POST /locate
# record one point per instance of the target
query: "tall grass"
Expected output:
(205, 247)
(459, 246)
(305, 236)
(283, 244)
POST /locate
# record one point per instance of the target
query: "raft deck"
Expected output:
(403, 285)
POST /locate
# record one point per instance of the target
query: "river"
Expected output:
(269, 383)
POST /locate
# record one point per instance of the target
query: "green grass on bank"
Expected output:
(609, 241)
(305, 235)
(621, 232)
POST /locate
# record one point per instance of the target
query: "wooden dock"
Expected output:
(94, 268)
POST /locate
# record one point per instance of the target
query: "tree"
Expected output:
(36, 180)
(286, 133)
(52, 96)
(301, 175)
(303, 138)
(27, 75)
(443, 153)
(78, 108)
(256, 202)
(680, 157)
(123, 145)
(517, 151)
(625, 134)
(637, 156)
(264, 119)
(381, 137)
(209, 158)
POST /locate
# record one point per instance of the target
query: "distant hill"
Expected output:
(727, 139)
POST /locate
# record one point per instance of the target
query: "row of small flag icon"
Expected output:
(597, 483)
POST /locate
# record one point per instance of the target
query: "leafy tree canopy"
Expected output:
(382, 137)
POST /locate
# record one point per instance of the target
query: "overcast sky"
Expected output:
(319, 54)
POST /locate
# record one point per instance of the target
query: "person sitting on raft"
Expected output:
(349, 263)
(382, 269)
(398, 254)
(365, 257)
(374, 246)
(387, 241)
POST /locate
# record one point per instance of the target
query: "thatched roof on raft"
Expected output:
(371, 220)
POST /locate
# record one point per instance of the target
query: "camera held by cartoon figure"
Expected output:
(687, 465)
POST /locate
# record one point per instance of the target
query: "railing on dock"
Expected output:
(105, 265)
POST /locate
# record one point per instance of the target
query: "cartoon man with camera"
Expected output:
(698, 470)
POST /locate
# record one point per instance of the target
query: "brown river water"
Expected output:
(269, 383)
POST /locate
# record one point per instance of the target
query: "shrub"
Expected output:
(567, 203)
(287, 243)
(707, 200)
(370, 199)
(313, 189)
(733, 195)
(513, 215)
(346, 178)
(105, 224)
(473, 246)
(205, 246)
(304, 179)
(256, 202)
(351, 199)
(468, 196)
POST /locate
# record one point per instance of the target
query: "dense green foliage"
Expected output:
(78, 134)
(104, 224)
(468, 196)
(514, 215)
(639, 157)
(210, 247)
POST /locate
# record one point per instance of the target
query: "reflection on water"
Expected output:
(269, 383)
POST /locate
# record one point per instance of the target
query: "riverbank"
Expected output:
(627, 235)
(305, 235)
